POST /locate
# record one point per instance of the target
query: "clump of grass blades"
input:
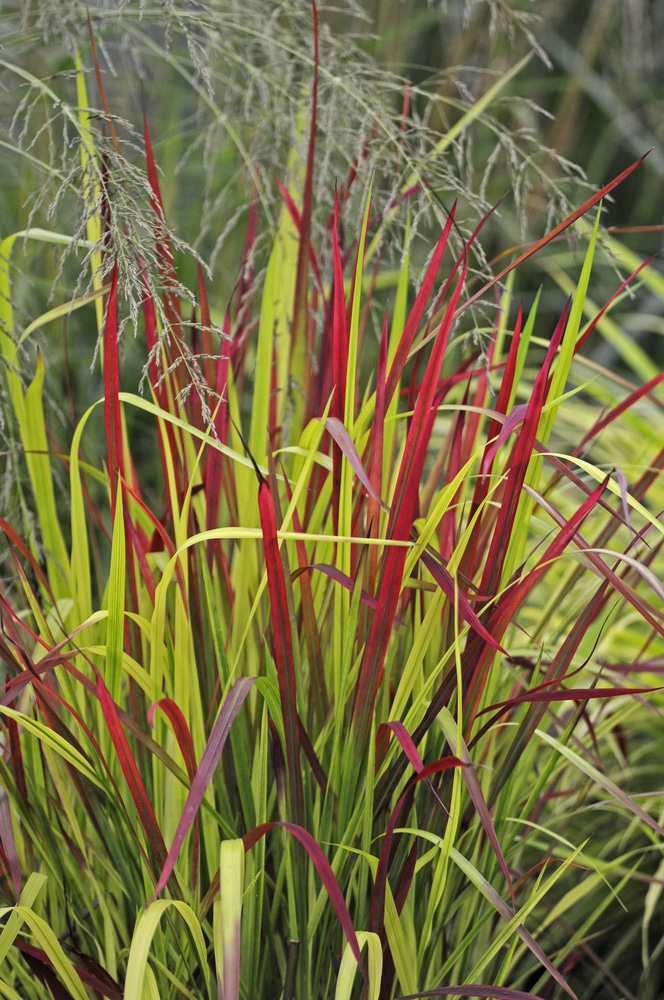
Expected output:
(345, 681)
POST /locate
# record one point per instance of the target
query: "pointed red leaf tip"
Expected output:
(328, 878)
(204, 773)
(337, 430)
(553, 233)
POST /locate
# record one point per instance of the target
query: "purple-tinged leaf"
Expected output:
(345, 581)
(345, 443)
(204, 773)
(566, 694)
(515, 417)
(8, 841)
(445, 581)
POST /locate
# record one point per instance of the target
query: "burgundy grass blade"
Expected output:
(339, 323)
(400, 523)
(131, 773)
(377, 912)
(564, 694)
(16, 542)
(417, 312)
(518, 465)
(345, 581)
(445, 581)
(324, 869)
(283, 648)
(204, 773)
(318, 697)
(88, 971)
(181, 730)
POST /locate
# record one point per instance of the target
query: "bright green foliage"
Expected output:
(360, 667)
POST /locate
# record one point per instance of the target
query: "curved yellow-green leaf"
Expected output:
(141, 943)
(348, 967)
(51, 739)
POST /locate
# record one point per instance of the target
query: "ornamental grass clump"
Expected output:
(323, 701)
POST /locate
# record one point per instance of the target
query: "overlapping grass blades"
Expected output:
(202, 796)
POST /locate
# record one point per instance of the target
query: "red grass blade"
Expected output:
(416, 313)
(132, 775)
(324, 869)
(377, 914)
(553, 233)
(400, 524)
(283, 648)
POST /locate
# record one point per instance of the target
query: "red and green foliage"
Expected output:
(355, 671)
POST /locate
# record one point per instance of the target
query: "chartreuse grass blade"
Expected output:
(602, 780)
(30, 894)
(348, 967)
(46, 735)
(36, 447)
(471, 115)
(141, 944)
(228, 918)
(514, 922)
(627, 348)
(46, 940)
(80, 549)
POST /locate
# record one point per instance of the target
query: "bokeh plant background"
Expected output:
(330, 567)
